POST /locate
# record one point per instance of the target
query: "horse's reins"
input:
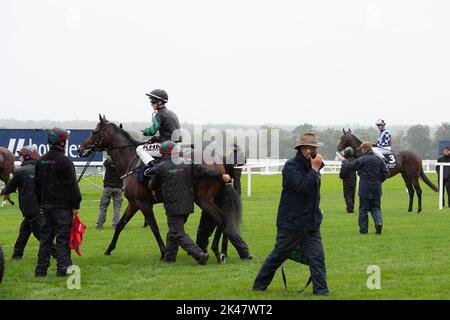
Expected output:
(86, 166)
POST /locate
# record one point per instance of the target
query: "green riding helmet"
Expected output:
(348, 152)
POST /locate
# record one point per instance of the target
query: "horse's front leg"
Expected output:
(147, 210)
(8, 197)
(127, 215)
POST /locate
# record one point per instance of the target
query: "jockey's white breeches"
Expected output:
(379, 151)
(148, 152)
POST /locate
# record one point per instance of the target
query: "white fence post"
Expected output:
(441, 186)
(249, 182)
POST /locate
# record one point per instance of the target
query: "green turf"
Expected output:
(412, 253)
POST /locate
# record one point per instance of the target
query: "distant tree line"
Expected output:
(418, 138)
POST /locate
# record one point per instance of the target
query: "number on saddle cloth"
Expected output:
(389, 159)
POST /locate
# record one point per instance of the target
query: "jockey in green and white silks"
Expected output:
(384, 142)
(164, 123)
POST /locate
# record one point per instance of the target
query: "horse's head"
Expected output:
(98, 140)
(348, 140)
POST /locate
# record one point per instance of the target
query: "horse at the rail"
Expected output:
(122, 148)
(407, 163)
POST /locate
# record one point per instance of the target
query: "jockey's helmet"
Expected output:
(158, 94)
(57, 135)
(28, 152)
(380, 122)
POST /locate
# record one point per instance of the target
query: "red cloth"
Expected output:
(76, 234)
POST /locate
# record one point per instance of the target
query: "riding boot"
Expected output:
(148, 168)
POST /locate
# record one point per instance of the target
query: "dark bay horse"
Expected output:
(122, 149)
(6, 168)
(408, 164)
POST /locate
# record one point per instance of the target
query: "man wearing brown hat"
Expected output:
(372, 172)
(299, 217)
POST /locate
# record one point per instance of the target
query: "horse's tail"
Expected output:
(427, 181)
(231, 206)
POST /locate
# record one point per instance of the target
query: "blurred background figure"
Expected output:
(446, 176)
(23, 180)
(112, 188)
(348, 177)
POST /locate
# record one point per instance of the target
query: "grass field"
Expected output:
(412, 253)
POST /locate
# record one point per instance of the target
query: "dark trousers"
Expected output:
(207, 226)
(178, 237)
(446, 189)
(366, 205)
(311, 245)
(237, 172)
(28, 226)
(57, 223)
(349, 195)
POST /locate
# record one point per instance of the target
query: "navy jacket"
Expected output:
(300, 198)
(24, 181)
(372, 172)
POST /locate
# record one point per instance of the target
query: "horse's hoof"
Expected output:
(222, 258)
(3, 203)
(409, 210)
(12, 203)
(419, 211)
(107, 253)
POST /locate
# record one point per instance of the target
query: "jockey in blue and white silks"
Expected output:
(384, 141)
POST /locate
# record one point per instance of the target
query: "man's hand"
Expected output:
(226, 178)
(316, 163)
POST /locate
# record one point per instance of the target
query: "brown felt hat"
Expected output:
(308, 139)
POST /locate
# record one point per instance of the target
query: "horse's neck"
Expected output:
(122, 154)
(356, 141)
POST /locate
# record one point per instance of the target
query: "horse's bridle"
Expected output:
(98, 140)
(354, 147)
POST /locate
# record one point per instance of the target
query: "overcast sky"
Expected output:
(236, 61)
